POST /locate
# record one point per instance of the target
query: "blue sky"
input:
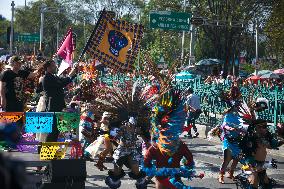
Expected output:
(5, 7)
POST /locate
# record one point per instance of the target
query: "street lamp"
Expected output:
(139, 20)
(44, 9)
(256, 48)
(12, 28)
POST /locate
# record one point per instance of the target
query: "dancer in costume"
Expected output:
(86, 129)
(163, 158)
(238, 139)
(232, 131)
(254, 150)
(127, 153)
(104, 138)
(129, 107)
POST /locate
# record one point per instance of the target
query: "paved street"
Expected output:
(207, 156)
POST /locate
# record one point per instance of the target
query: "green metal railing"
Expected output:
(212, 106)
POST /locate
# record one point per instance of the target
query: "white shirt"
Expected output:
(193, 101)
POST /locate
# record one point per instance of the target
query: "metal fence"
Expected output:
(212, 106)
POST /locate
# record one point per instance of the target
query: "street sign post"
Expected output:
(191, 58)
(162, 66)
(167, 20)
(27, 37)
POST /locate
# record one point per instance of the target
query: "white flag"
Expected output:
(63, 66)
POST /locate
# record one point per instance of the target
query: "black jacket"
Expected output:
(53, 88)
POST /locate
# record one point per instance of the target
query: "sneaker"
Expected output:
(196, 135)
(188, 136)
(7, 149)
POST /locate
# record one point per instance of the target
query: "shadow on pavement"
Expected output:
(96, 177)
(279, 186)
(206, 152)
(94, 186)
(101, 177)
(199, 145)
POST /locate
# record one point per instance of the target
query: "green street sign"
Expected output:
(167, 20)
(27, 37)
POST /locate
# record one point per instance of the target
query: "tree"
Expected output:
(158, 42)
(28, 21)
(274, 30)
(224, 42)
(248, 68)
(4, 24)
(84, 13)
(228, 41)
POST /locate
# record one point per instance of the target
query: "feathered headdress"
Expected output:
(167, 120)
(231, 97)
(123, 101)
(168, 115)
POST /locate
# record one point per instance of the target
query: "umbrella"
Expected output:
(279, 71)
(262, 72)
(255, 79)
(208, 62)
(270, 76)
(185, 75)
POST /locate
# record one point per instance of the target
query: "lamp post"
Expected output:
(12, 28)
(183, 34)
(44, 9)
(139, 19)
(256, 48)
(57, 31)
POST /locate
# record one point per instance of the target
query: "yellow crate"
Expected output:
(53, 150)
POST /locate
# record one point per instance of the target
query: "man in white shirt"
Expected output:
(193, 111)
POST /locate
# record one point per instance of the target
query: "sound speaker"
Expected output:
(66, 171)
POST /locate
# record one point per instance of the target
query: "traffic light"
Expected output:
(197, 21)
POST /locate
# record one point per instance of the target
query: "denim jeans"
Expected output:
(192, 116)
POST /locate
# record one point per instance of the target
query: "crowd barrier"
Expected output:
(212, 106)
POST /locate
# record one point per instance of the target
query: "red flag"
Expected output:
(67, 47)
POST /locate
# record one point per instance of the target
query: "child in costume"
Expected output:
(232, 130)
(128, 154)
(128, 105)
(168, 150)
(104, 138)
(254, 150)
(86, 129)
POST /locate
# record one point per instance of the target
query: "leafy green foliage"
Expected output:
(248, 68)
(4, 24)
(274, 30)
(211, 41)
(28, 21)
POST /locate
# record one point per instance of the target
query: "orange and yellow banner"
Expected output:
(115, 43)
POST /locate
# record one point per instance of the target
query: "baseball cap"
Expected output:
(14, 59)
